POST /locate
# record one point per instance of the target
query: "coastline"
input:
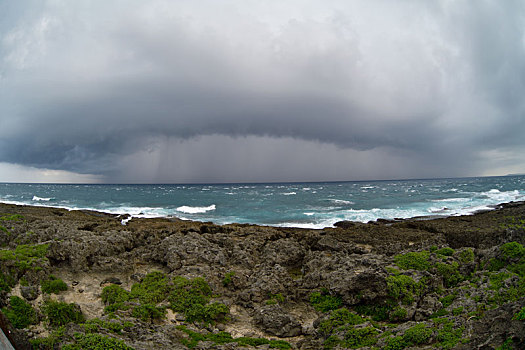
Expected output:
(285, 285)
(125, 217)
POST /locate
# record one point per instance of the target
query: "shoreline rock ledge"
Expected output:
(82, 280)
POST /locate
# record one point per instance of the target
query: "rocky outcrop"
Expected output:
(267, 278)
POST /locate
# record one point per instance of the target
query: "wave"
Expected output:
(341, 201)
(41, 199)
(195, 210)
(453, 200)
(289, 193)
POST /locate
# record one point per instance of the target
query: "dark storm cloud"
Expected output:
(366, 89)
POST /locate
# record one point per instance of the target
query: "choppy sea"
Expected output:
(309, 205)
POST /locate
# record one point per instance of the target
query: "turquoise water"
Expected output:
(314, 205)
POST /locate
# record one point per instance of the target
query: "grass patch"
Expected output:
(96, 342)
(376, 311)
(450, 273)
(53, 285)
(520, 315)
(324, 302)
(417, 335)
(224, 337)
(20, 313)
(448, 299)
(96, 324)
(60, 313)
(338, 318)
(413, 261)
(448, 335)
(26, 256)
(466, 256)
(275, 299)
(52, 341)
(404, 288)
(153, 289)
(228, 278)
(446, 251)
(359, 337)
(114, 294)
(148, 312)
(6, 282)
(191, 297)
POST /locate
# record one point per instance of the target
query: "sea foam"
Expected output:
(40, 199)
(195, 210)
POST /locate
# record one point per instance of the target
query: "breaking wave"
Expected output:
(195, 210)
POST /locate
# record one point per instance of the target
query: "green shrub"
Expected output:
(275, 299)
(224, 338)
(439, 313)
(496, 264)
(445, 251)
(466, 256)
(324, 302)
(50, 342)
(20, 313)
(508, 344)
(457, 311)
(153, 289)
(398, 314)
(512, 250)
(227, 280)
(360, 337)
(60, 313)
(450, 273)
(53, 285)
(26, 256)
(93, 326)
(6, 282)
(396, 343)
(96, 342)
(419, 334)
(191, 297)
(403, 288)
(148, 312)
(497, 279)
(114, 294)
(413, 260)
(376, 311)
(520, 316)
(448, 299)
(338, 318)
(448, 334)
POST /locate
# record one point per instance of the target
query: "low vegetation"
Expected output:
(53, 285)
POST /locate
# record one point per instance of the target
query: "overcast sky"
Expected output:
(245, 90)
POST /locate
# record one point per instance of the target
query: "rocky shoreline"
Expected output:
(81, 279)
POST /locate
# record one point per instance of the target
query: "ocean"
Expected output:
(307, 205)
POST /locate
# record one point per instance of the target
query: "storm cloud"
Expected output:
(209, 91)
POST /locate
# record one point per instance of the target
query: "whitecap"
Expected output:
(289, 193)
(195, 210)
(455, 200)
(341, 201)
(309, 214)
(41, 199)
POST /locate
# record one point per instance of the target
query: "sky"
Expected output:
(259, 91)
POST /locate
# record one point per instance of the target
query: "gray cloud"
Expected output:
(258, 92)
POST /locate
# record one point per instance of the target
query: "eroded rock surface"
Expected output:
(269, 278)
